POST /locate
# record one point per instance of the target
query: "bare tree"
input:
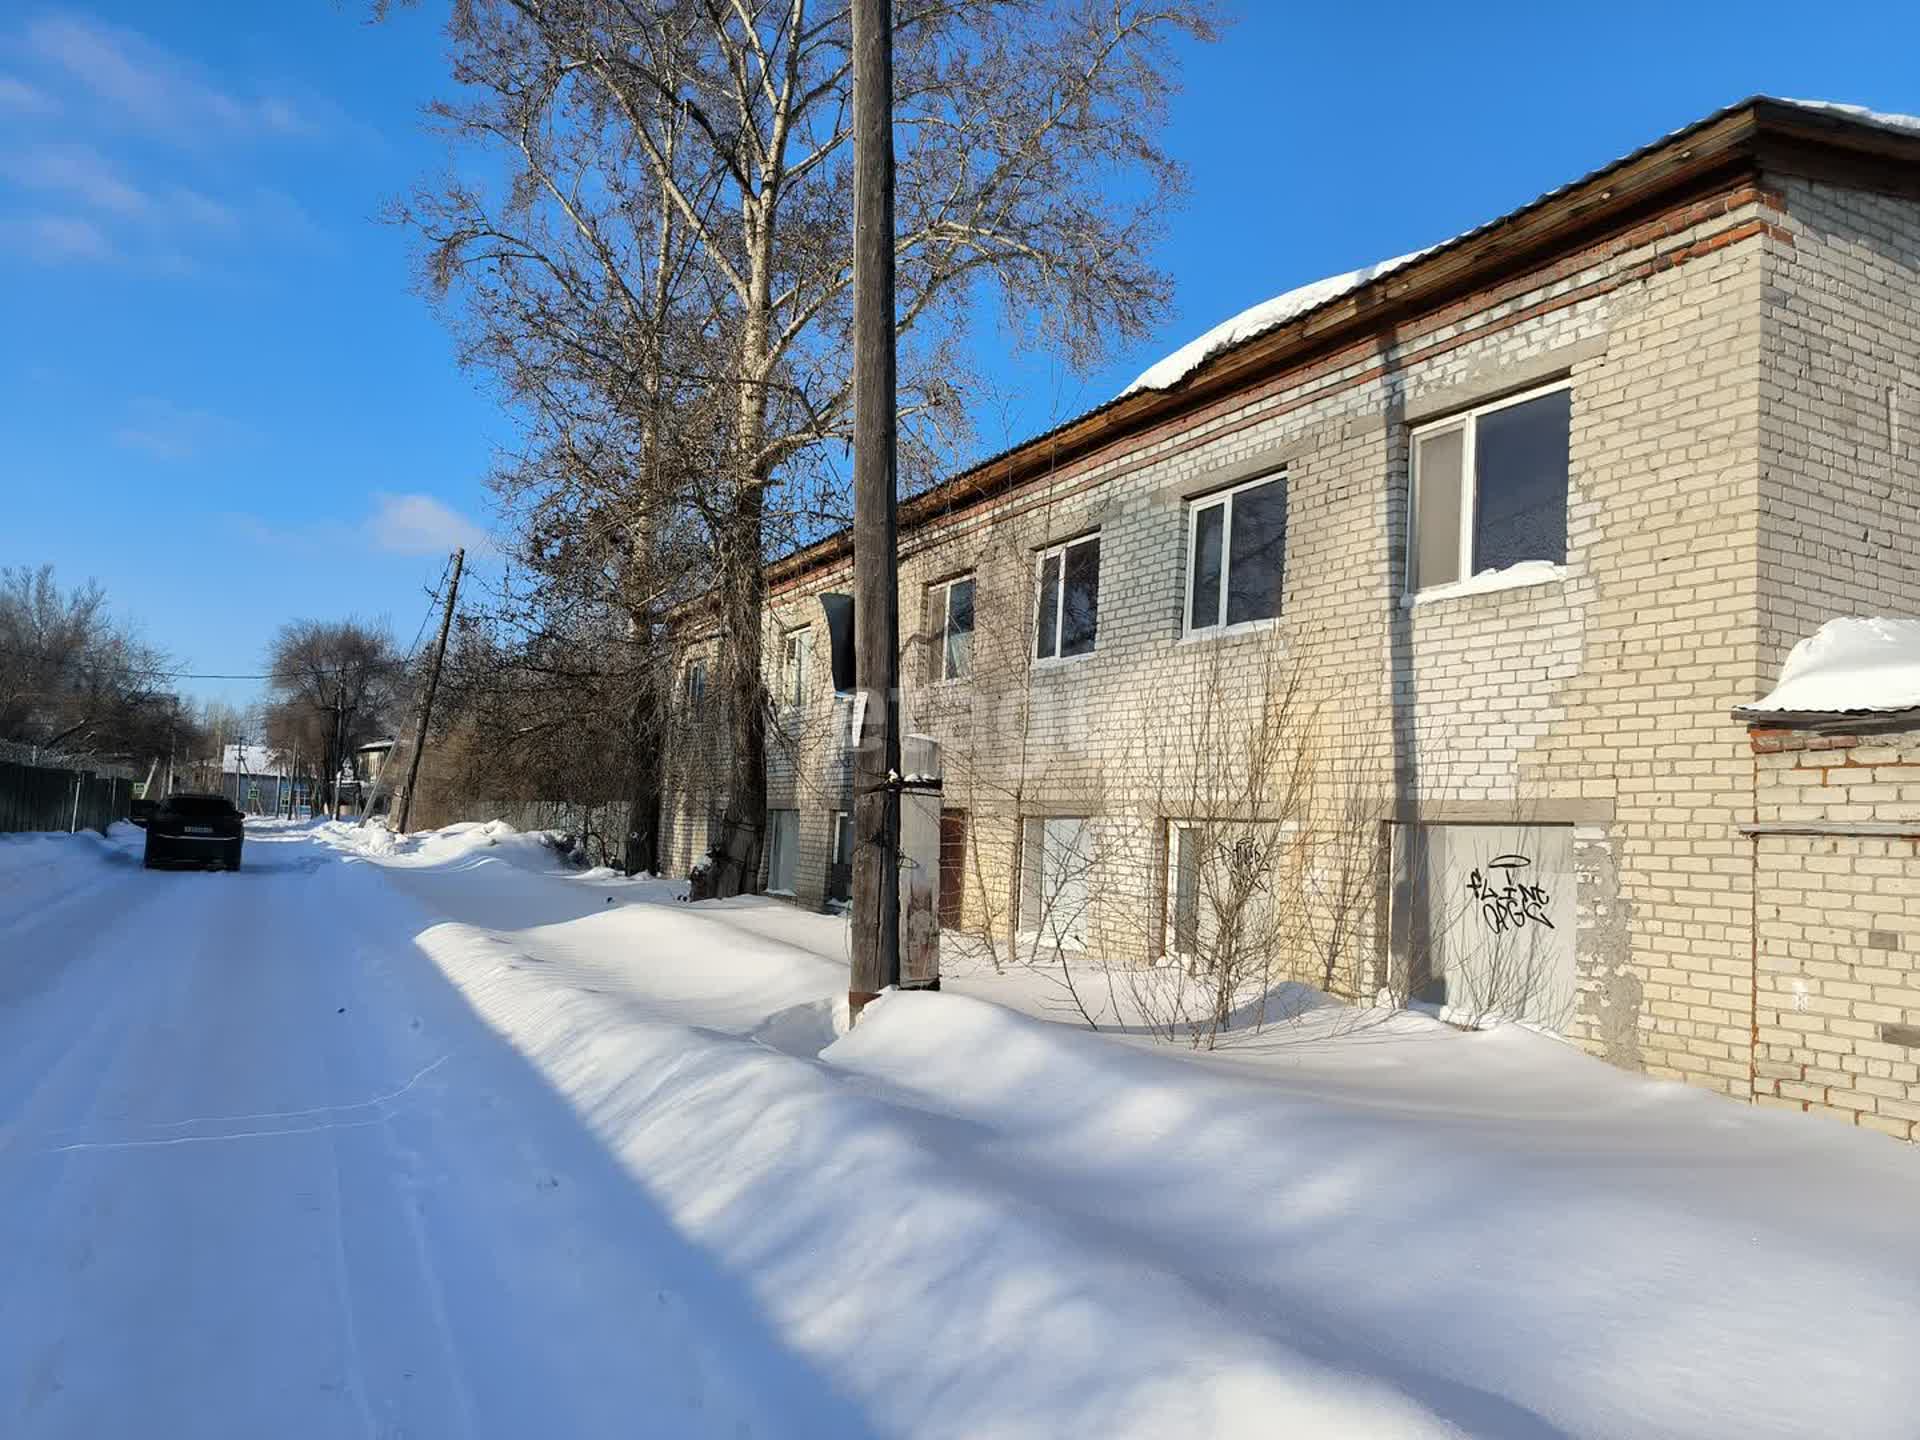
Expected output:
(334, 686)
(677, 221)
(532, 724)
(74, 678)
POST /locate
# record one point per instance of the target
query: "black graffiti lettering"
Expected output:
(1514, 906)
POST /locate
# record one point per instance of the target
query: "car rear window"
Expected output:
(198, 805)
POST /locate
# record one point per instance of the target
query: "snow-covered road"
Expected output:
(438, 1138)
(263, 1173)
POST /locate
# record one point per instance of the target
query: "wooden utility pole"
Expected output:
(426, 701)
(337, 749)
(876, 617)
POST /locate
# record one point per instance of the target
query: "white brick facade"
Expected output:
(1742, 459)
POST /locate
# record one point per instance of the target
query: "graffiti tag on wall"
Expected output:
(1513, 905)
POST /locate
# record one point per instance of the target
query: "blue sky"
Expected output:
(220, 397)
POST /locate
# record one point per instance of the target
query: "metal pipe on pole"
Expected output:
(876, 618)
(426, 701)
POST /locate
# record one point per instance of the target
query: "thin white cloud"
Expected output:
(420, 525)
(17, 95)
(87, 183)
(177, 432)
(55, 239)
(75, 169)
(148, 227)
(190, 207)
(147, 84)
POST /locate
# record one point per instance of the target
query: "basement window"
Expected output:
(1067, 613)
(783, 850)
(1237, 554)
(1056, 869)
(1490, 489)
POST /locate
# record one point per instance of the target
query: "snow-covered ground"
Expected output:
(433, 1137)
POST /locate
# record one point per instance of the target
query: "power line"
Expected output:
(433, 601)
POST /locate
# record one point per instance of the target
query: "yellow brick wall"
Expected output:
(1837, 927)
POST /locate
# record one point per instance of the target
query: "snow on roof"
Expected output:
(1909, 124)
(1268, 315)
(1849, 665)
(1258, 319)
(258, 760)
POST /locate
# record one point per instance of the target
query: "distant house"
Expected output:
(255, 778)
(366, 791)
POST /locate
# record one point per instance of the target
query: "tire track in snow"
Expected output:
(377, 1102)
(374, 996)
(79, 1080)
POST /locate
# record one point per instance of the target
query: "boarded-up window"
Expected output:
(1222, 880)
(783, 849)
(1056, 868)
(1183, 889)
(1485, 917)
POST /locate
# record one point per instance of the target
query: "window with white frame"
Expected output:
(1067, 614)
(1056, 869)
(796, 652)
(783, 849)
(950, 628)
(1490, 488)
(1237, 554)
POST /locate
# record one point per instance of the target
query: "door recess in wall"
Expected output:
(953, 867)
(1484, 920)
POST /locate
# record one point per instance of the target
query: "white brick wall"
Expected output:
(1840, 426)
(1600, 700)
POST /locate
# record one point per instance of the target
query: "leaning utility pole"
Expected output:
(426, 701)
(876, 606)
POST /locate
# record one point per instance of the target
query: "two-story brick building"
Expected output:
(1415, 603)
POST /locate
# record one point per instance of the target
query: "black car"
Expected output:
(195, 830)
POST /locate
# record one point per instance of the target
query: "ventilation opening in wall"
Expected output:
(1483, 920)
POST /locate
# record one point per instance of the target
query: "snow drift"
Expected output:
(479, 1144)
(979, 1222)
